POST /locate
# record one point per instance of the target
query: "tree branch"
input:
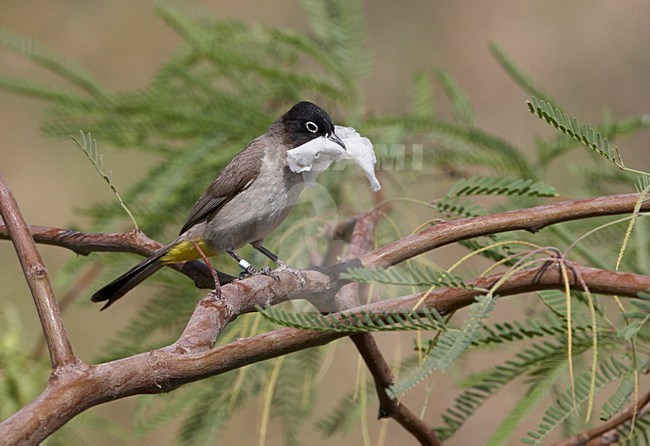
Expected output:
(348, 297)
(444, 233)
(135, 241)
(191, 358)
(68, 298)
(58, 344)
(529, 219)
(165, 369)
(591, 434)
(384, 378)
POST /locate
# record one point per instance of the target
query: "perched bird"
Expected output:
(248, 200)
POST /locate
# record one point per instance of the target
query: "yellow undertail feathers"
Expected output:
(185, 251)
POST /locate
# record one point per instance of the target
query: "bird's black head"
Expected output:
(306, 121)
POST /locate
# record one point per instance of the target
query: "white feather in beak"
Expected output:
(315, 156)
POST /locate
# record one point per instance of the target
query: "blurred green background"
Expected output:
(592, 56)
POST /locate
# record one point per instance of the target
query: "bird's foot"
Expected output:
(282, 266)
(266, 271)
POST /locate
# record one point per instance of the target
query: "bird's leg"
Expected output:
(268, 253)
(282, 266)
(248, 269)
(215, 276)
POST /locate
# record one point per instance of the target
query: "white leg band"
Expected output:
(244, 264)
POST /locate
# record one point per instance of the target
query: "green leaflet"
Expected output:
(502, 186)
(575, 129)
(453, 204)
(356, 322)
(463, 108)
(89, 146)
(617, 401)
(423, 96)
(449, 347)
(414, 275)
(517, 74)
(608, 372)
(40, 55)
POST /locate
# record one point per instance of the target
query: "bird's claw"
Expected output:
(265, 271)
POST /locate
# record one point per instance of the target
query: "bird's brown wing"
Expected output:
(235, 177)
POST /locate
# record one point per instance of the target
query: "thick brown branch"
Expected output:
(530, 219)
(58, 344)
(165, 369)
(444, 233)
(135, 241)
(584, 438)
(191, 358)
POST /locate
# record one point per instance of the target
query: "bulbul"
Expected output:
(249, 199)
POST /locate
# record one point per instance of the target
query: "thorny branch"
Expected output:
(78, 387)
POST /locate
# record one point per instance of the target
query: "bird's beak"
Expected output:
(332, 137)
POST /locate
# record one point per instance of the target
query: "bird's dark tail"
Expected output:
(133, 277)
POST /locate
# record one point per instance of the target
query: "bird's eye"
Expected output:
(311, 127)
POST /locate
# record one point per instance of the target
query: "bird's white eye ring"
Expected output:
(311, 127)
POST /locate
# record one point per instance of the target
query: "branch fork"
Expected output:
(75, 386)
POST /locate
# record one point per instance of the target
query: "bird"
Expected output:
(249, 199)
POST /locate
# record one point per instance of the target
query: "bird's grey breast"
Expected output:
(261, 206)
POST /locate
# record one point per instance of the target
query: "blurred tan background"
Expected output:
(592, 56)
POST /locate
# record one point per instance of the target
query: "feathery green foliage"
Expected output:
(609, 372)
(463, 108)
(572, 127)
(579, 131)
(343, 417)
(223, 87)
(449, 347)
(66, 69)
(503, 332)
(516, 73)
(640, 316)
(22, 375)
(16, 387)
(543, 363)
(414, 275)
(89, 146)
(357, 322)
(617, 401)
(638, 436)
(423, 96)
(481, 386)
(296, 391)
(454, 205)
(501, 186)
